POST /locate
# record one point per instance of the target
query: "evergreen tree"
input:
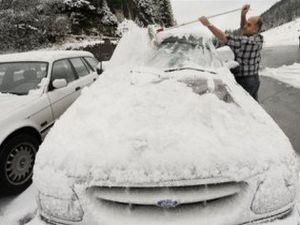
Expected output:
(166, 13)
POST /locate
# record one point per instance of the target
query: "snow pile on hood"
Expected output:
(286, 34)
(287, 74)
(140, 125)
(133, 127)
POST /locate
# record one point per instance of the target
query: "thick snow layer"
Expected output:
(287, 74)
(286, 34)
(140, 125)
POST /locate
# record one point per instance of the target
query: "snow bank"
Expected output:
(287, 74)
(286, 34)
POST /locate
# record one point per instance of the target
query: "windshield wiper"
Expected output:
(189, 68)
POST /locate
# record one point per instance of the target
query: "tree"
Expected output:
(166, 13)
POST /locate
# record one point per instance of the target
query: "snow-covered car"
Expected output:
(166, 137)
(36, 88)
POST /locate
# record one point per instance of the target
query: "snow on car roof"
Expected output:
(46, 56)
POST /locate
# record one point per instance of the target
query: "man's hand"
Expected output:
(245, 9)
(204, 21)
(216, 31)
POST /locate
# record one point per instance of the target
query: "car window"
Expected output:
(93, 63)
(21, 77)
(79, 67)
(62, 69)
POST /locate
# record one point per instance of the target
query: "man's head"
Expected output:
(252, 26)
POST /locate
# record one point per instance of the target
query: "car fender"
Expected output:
(15, 126)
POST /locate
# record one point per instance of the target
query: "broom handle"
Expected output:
(195, 21)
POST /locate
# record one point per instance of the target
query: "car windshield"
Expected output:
(185, 51)
(21, 77)
(165, 50)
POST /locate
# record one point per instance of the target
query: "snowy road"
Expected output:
(282, 102)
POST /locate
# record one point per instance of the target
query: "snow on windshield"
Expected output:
(170, 48)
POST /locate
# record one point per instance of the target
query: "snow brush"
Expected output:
(154, 31)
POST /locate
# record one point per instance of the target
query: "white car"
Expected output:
(167, 139)
(36, 88)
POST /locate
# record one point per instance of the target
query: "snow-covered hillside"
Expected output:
(286, 34)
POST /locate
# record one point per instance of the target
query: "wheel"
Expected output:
(17, 156)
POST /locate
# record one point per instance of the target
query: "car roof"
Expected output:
(42, 56)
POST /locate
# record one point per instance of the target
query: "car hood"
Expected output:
(143, 126)
(10, 103)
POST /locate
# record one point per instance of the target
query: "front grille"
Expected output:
(168, 197)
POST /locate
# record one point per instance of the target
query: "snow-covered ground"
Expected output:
(286, 34)
(18, 210)
(287, 74)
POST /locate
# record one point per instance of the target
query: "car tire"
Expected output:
(17, 156)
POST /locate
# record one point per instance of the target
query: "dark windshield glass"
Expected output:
(21, 77)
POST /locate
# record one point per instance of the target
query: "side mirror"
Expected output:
(59, 83)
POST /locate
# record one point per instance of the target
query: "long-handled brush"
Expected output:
(154, 31)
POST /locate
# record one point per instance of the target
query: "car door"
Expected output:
(60, 99)
(86, 75)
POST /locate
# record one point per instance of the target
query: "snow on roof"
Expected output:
(42, 56)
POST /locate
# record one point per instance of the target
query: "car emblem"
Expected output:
(167, 204)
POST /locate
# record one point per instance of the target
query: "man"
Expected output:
(246, 48)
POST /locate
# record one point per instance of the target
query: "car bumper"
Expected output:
(292, 217)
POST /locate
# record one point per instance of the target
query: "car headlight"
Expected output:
(274, 193)
(56, 209)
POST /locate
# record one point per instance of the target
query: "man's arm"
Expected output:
(216, 31)
(244, 12)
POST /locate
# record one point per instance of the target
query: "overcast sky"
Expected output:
(187, 10)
